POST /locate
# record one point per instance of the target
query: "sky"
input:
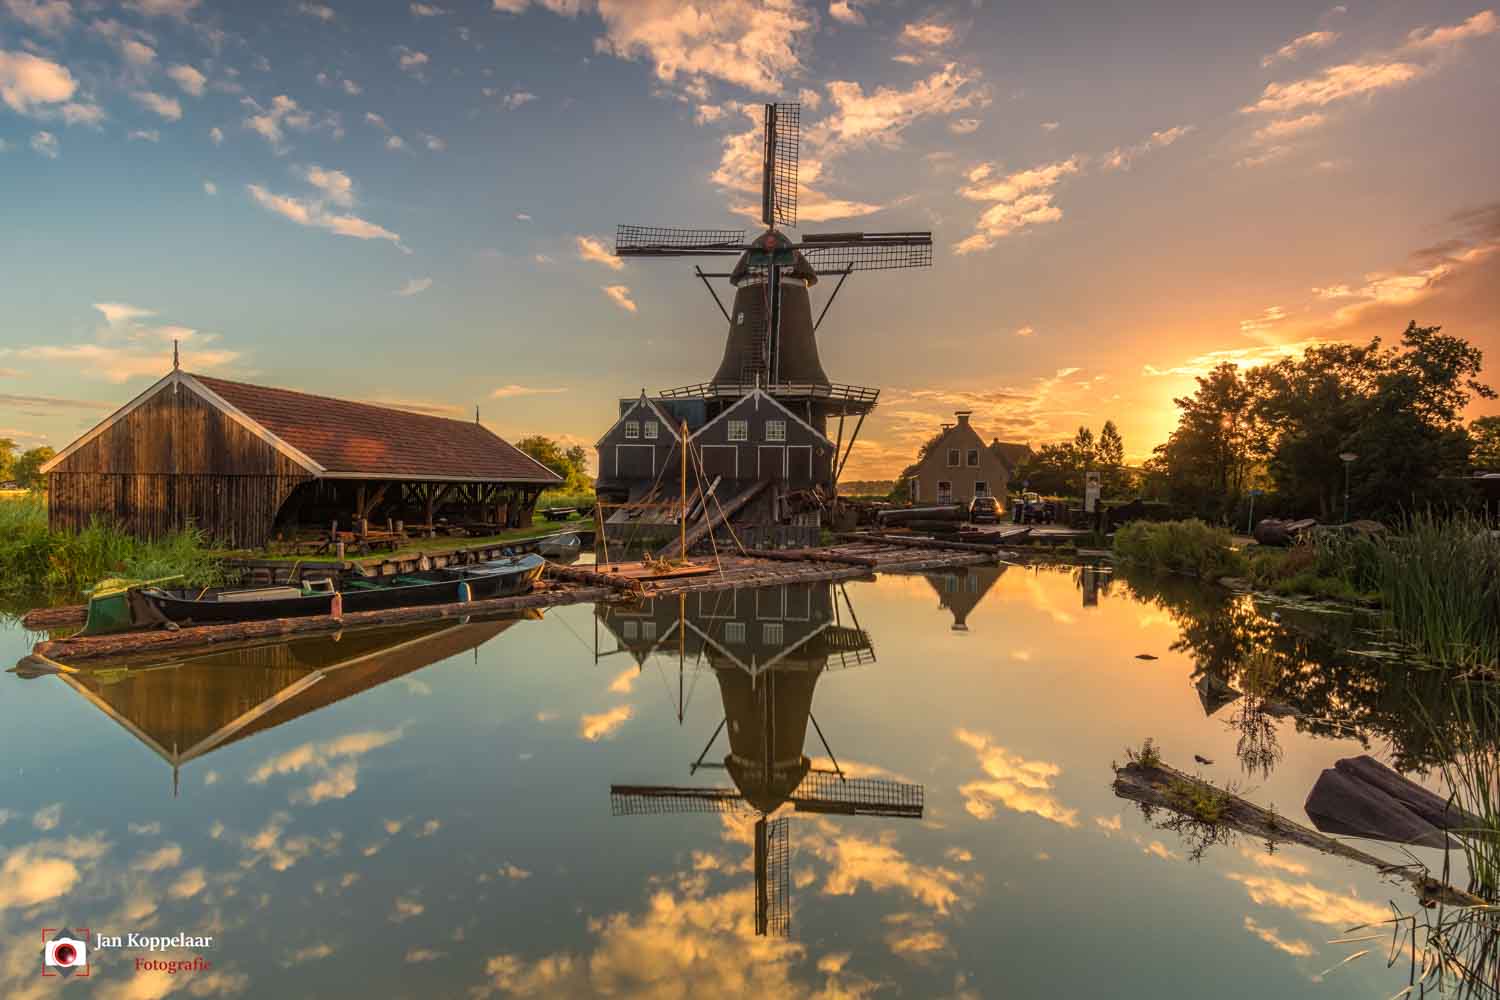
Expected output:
(414, 203)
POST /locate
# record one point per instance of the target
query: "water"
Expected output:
(431, 815)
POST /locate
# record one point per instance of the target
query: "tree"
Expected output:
(1205, 463)
(1058, 469)
(1484, 433)
(571, 463)
(27, 469)
(7, 458)
(1109, 455)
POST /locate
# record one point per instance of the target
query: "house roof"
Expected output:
(1011, 453)
(361, 439)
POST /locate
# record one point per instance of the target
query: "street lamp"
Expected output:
(1347, 457)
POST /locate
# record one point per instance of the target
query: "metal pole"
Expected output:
(1346, 492)
(682, 461)
(1250, 517)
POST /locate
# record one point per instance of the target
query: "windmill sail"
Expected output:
(665, 241)
(836, 252)
(773, 884)
(778, 198)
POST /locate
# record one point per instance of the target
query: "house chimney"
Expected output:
(963, 416)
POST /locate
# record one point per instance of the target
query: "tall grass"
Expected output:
(1440, 588)
(34, 560)
(1191, 547)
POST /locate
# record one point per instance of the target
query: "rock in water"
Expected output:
(1145, 656)
(1203, 760)
(1353, 799)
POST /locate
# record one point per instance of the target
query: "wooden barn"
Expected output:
(244, 463)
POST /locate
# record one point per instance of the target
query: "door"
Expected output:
(635, 461)
(721, 460)
(799, 464)
(771, 462)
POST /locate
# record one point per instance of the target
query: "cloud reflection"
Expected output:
(1018, 784)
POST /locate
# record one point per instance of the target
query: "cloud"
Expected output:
(1309, 901)
(48, 817)
(620, 295)
(52, 17)
(1108, 825)
(1020, 199)
(321, 11)
(167, 107)
(79, 113)
(1025, 331)
(351, 88)
(414, 286)
(395, 143)
(433, 143)
(878, 864)
(1285, 128)
(405, 909)
(45, 144)
(511, 391)
(305, 212)
(164, 857)
(414, 955)
(189, 884)
(122, 314)
(1051, 126)
(928, 34)
(848, 11)
(1272, 936)
(311, 953)
(1241, 357)
(216, 136)
(412, 61)
(1336, 83)
(964, 126)
(334, 764)
(1120, 158)
(29, 82)
(427, 10)
(856, 118)
(40, 872)
(334, 184)
(1303, 43)
(189, 79)
(1437, 39)
(163, 8)
(1012, 781)
(143, 135)
(282, 853)
(754, 46)
(209, 187)
(605, 724)
(516, 98)
(271, 123)
(592, 248)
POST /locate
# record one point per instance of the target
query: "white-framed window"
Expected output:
(632, 429)
(945, 491)
(648, 430)
(952, 458)
(631, 629)
(734, 632)
(739, 430)
(648, 630)
(973, 458)
(981, 488)
(772, 633)
(775, 430)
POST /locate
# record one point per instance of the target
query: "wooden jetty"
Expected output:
(561, 585)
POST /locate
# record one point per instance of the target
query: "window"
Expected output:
(739, 430)
(632, 629)
(649, 430)
(981, 488)
(648, 630)
(973, 457)
(632, 429)
(916, 489)
(734, 632)
(772, 633)
(945, 492)
(775, 430)
(952, 458)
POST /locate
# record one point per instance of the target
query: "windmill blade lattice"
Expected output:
(835, 252)
(826, 792)
(655, 800)
(665, 241)
(773, 882)
(779, 182)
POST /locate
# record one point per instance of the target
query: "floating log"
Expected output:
(902, 515)
(43, 619)
(920, 543)
(163, 642)
(593, 578)
(1164, 787)
(814, 555)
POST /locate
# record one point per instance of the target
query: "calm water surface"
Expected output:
(428, 812)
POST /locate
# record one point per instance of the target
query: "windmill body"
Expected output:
(804, 424)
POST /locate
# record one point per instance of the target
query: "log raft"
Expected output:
(562, 585)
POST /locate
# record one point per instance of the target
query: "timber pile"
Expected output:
(714, 515)
(917, 542)
(162, 642)
(1165, 787)
(42, 619)
(593, 578)
(815, 555)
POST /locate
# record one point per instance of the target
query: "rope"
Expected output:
(698, 474)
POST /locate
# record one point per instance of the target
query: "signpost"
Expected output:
(1091, 491)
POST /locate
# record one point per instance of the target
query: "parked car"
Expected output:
(1032, 509)
(984, 509)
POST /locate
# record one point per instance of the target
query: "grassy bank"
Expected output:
(1189, 547)
(35, 560)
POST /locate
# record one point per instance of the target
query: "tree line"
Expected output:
(1389, 418)
(24, 468)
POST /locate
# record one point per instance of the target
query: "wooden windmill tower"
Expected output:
(772, 342)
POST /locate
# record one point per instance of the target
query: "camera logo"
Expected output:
(65, 951)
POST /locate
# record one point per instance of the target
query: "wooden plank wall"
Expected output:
(175, 459)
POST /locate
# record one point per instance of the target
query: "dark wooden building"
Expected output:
(245, 462)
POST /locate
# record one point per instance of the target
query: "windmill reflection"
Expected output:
(767, 649)
(184, 709)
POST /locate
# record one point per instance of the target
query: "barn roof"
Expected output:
(375, 442)
(338, 438)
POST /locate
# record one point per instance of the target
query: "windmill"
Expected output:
(772, 341)
(767, 708)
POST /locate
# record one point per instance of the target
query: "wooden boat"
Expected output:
(558, 546)
(498, 578)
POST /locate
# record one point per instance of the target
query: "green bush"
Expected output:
(36, 560)
(1331, 564)
(1191, 547)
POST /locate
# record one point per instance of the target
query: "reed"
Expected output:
(34, 560)
(1190, 547)
(1439, 582)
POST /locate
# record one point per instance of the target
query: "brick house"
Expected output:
(962, 466)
